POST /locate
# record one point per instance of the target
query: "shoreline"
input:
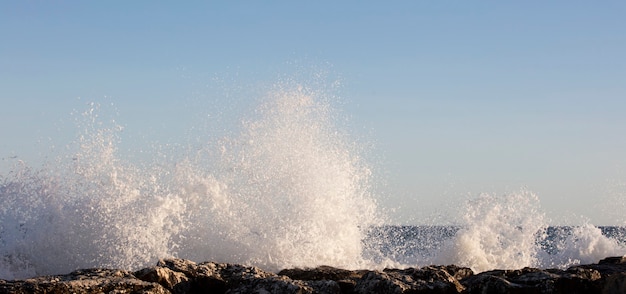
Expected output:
(185, 276)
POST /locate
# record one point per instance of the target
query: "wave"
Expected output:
(497, 232)
(290, 189)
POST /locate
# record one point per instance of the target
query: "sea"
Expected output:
(288, 188)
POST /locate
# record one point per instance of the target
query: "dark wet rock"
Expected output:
(184, 276)
(345, 280)
(322, 273)
(176, 282)
(84, 281)
(430, 279)
(283, 284)
(526, 280)
(458, 272)
(607, 266)
(614, 260)
(532, 280)
(611, 272)
(615, 283)
(487, 284)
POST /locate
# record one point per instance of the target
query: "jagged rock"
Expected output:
(615, 284)
(283, 284)
(607, 266)
(578, 280)
(490, 284)
(84, 281)
(458, 272)
(430, 279)
(322, 273)
(613, 260)
(612, 271)
(184, 276)
(197, 277)
(532, 280)
(345, 279)
(175, 282)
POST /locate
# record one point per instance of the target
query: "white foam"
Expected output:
(497, 232)
(585, 244)
(289, 190)
(506, 232)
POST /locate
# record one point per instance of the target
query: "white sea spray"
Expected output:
(289, 189)
(497, 232)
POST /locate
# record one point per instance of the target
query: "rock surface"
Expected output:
(184, 276)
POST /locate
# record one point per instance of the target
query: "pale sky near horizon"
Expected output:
(458, 98)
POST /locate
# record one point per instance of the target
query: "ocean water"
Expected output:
(550, 247)
(289, 188)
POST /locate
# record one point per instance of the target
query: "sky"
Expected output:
(457, 98)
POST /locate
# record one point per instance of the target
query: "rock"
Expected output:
(613, 260)
(430, 279)
(197, 277)
(614, 284)
(532, 280)
(322, 273)
(272, 285)
(607, 266)
(175, 282)
(84, 281)
(458, 272)
(387, 281)
(184, 276)
(487, 284)
(612, 272)
(345, 279)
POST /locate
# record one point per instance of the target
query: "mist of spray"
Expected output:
(290, 189)
(497, 232)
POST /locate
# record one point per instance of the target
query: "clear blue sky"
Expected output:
(458, 97)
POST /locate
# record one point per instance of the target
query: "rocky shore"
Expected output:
(184, 276)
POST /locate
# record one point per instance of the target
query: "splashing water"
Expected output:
(290, 190)
(510, 232)
(85, 210)
(498, 232)
(581, 245)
